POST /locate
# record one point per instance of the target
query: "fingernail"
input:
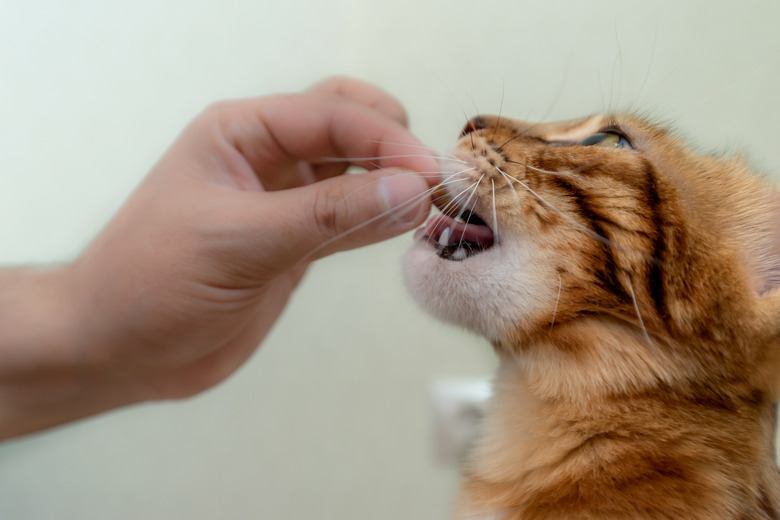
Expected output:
(401, 193)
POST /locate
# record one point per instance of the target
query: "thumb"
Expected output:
(337, 214)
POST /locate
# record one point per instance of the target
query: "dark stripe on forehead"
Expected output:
(655, 279)
(606, 273)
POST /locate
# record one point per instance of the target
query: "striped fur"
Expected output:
(652, 392)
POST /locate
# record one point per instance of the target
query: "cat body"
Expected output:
(626, 284)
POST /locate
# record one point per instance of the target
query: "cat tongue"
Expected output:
(436, 227)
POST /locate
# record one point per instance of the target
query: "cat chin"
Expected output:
(493, 293)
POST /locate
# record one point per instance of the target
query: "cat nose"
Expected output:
(474, 124)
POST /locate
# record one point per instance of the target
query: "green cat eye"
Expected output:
(608, 139)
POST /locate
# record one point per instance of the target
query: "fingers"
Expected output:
(363, 93)
(273, 133)
(303, 224)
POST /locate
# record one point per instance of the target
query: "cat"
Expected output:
(627, 285)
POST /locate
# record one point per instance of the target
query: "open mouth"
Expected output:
(457, 233)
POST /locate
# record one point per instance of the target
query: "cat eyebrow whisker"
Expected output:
(500, 108)
(516, 136)
(524, 132)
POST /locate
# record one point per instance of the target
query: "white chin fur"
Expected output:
(492, 293)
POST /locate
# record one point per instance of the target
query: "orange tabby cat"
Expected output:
(626, 285)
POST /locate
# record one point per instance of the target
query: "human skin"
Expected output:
(183, 284)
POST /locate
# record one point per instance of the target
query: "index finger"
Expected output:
(272, 132)
(363, 93)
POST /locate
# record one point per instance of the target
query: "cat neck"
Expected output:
(549, 397)
(571, 413)
(589, 358)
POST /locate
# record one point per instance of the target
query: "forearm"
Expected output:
(50, 372)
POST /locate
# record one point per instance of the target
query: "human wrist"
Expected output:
(51, 369)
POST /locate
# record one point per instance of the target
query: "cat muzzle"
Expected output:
(456, 233)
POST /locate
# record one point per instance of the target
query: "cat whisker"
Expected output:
(584, 229)
(377, 158)
(420, 174)
(561, 213)
(516, 136)
(531, 127)
(500, 108)
(720, 92)
(557, 299)
(455, 202)
(650, 62)
(463, 211)
(641, 321)
(559, 172)
(434, 154)
(404, 206)
(495, 217)
(509, 182)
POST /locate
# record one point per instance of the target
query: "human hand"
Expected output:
(183, 284)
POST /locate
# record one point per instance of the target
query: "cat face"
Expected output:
(612, 217)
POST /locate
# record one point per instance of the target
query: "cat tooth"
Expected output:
(444, 239)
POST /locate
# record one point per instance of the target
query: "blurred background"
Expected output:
(331, 419)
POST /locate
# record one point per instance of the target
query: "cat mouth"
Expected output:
(456, 233)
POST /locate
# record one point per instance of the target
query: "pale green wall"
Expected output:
(330, 419)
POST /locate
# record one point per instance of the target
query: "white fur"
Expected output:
(491, 292)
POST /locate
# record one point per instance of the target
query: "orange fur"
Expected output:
(653, 393)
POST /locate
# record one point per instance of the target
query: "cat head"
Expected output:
(609, 217)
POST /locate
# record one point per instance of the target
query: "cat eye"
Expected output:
(608, 139)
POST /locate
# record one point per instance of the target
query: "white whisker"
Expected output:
(377, 158)
(584, 229)
(561, 213)
(555, 312)
(404, 206)
(720, 92)
(420, 174)
(434, 153)
(495, 218)
(641, 322)
(454, 201)
(560, 172)
(465, 206)
(509, 182)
